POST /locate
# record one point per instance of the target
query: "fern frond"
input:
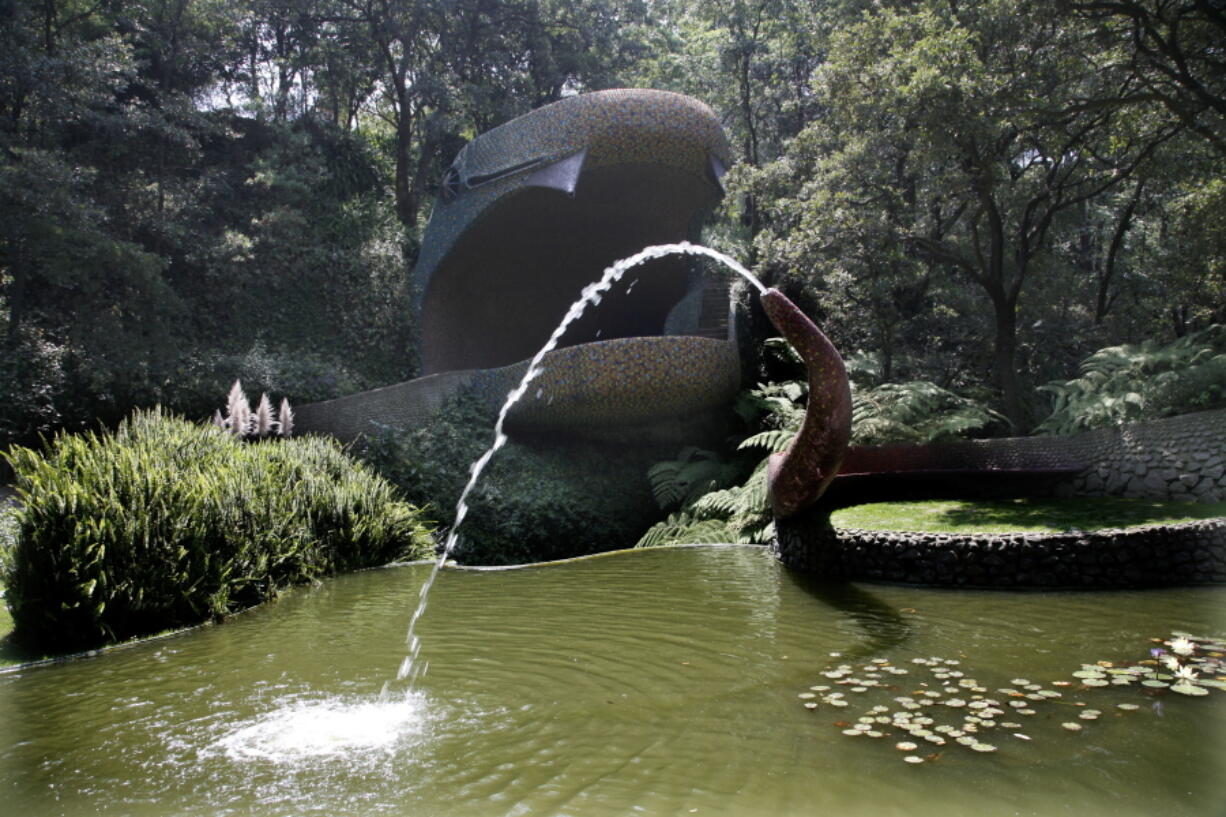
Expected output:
(772, 441)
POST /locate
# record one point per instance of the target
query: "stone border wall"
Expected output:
(1177, 458)
(1148, 556)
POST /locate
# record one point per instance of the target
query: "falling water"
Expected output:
(410, 670)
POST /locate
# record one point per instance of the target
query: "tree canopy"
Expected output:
(973, 194)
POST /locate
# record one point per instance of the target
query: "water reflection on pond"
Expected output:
(657, 682)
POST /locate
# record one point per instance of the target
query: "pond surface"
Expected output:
(657, 682)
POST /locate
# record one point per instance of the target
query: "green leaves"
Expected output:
(164, 524)
(1146, 381)
(916, 412)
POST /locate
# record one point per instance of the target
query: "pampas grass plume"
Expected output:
(264, 420)
(286, 416)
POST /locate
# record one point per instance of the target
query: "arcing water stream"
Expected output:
(410, 669)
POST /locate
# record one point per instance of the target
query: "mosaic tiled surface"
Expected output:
(801, 474)
(624, 381)
(534, 210)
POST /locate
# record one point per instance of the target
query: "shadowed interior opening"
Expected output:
(508, 282)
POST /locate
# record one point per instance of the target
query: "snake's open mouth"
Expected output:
(532, 212)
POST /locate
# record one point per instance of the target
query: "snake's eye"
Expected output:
(451, 185)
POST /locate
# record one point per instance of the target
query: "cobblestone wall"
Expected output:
(1178, 458)
(1149, 556)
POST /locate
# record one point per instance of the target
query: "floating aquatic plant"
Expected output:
(1192, 667)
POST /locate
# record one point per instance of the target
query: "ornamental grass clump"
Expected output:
(163, 524)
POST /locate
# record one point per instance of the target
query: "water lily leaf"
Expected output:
(1189, 689)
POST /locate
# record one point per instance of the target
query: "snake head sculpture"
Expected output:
(798, 476)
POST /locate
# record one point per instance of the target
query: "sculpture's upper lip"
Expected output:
(534, 210)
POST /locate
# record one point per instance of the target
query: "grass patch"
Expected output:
(1033, 515)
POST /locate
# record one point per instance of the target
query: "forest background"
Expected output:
(973, 194)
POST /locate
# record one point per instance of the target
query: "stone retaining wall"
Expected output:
(1177, 458)
(1148, 556)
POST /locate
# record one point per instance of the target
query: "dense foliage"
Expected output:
(1146, 381)
(164, 523)
(538, 500)
(724, 498)
(197, 190)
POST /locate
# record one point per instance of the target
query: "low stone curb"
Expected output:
(1186, 553)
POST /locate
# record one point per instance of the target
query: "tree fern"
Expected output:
(1145, 381)
(917, 412)
(685, 529)
(734, 501)
(694, 473)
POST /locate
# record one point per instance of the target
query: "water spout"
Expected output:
(410, 669)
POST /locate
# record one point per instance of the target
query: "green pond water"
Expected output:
(658, 682)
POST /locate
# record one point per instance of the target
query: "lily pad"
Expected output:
(1189, 689)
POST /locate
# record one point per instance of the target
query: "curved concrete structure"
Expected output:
(534, 210)
(530, 213)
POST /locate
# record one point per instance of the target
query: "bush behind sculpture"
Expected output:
(540, 499)
(164, 524)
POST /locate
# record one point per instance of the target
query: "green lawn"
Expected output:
(1020, 515)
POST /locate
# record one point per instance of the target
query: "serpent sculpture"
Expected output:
(535, 209)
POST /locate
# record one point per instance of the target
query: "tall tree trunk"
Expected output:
(1004, 355)
(1105, 299)
(406, 201)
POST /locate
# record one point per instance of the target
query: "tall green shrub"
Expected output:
(544, 497)
(164, 523)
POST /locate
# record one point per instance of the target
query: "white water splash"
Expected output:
(410, 669)
(297, 729)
